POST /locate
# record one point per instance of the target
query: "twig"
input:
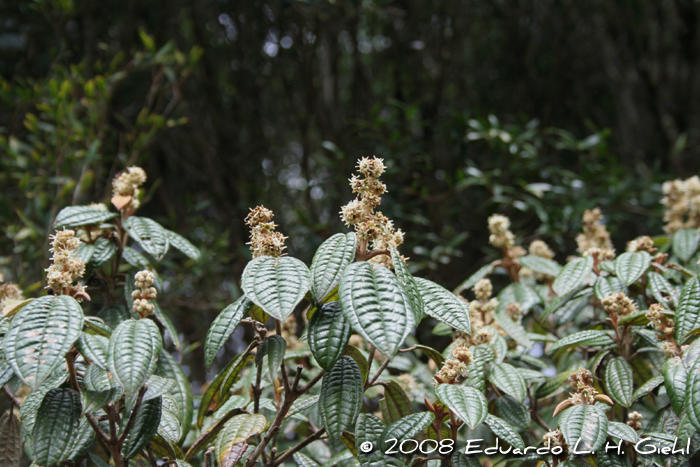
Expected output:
(132, 419)
(374, 378)
(12, 397)
(291, 451)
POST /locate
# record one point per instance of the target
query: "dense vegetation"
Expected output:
(93, 373)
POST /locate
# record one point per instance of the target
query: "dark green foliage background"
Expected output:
(538, 110)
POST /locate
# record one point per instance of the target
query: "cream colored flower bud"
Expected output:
(483, 289)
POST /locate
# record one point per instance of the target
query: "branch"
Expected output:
(289, 452)
(374, 378)
(134, 412)
(367, 255)
(70, 362)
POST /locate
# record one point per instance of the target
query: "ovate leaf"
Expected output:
(40, 335)
(675, 377)
(586, 425)
(467, 403)
(513, 412)
(328, 334)
(589, 337)
(329, 263)
(506, 378)
(618, 381)
(369, 429)
(77, 216)
(94, 348)
(341, 396)
(541, 265)
(57, 423)
(276, 285)
(144, 429)
(274, 348)
(662, 290)
(223, 326)
(104, 251)
(688, 311)
(395, 404)
(376, 306)
(631, 266)
(182, 392)
(182, 244)
(685, 243)
(444, 306)
(622, 431)
(409, 426)
(133, 353)
(409, 284)
(647, 387)
(152, 236)
(10, 440)
(505, 431)
(572, 275)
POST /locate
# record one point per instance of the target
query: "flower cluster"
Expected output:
(502, 237)
(66, 267)
(643, 243)
(585, 393)
(10, 295)
(618, 304)
(595, 239)
(682, 200)
(554, 438)
(125, 188)
(635, 419)
(144, 280)
(455, 367)
(541, 249)
(665, 327)
(264, 241)
(373, 229)
(481, 310)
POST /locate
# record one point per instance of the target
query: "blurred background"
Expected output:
(537, 109)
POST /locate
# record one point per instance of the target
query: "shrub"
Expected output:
(357, 386)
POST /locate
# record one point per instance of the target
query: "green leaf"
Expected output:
(572, 275)
(301, 404)
(357, 355)
(433, 354)
(688, 311)
(169, 427)
(144, 429)
(513, 412)
(40, 335)
(376, 306)
(408, 427)
(112, 315)
(606, 285)
(369, 429)
(10, 440)
(629, 266)
(77, 216)
(460, 460)
(152, 236)
(592, 338)
(553, 384)
(675, 377)
(395, 404)
(329, 263)
(133, 353)
(622, 431)
(218, 391)
(618, 381)
(647, 387)
(95, 400)
(328, 334)
(541, 265)
(135, 258)
(85, 251)
(467, 403)
(692, 391)
(104, 251)
(685, 243)
(506, 378)
(168, 325)
(274, 347)
(505, 431)
(444, 306)
(523, 295)
(94, 348)
(182, 393)
(182, 244)
(304, 460)
(409, 284)
(481, 355)
(80, 444)
(276, 285)
(57, 423)
(223, 326)
(513, 329)
(662, 290)
(341, 396)
(586, 425)
(31, 404)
